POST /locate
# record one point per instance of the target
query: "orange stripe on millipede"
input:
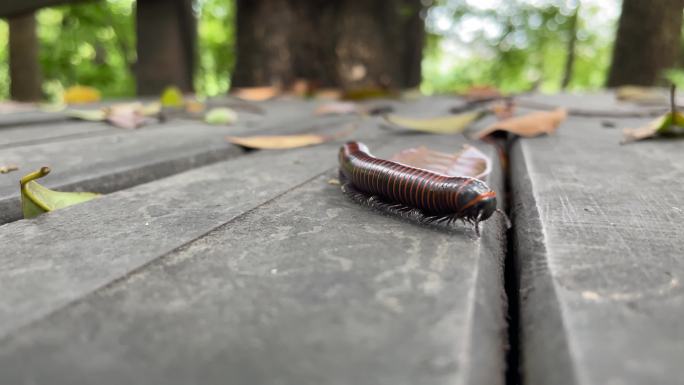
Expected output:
(478, 198)
(417, 176)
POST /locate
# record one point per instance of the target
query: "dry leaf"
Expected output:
(451, 124)
(279, 142)
(468, 162)
(642, 95)
(666, 125)
(256, 94)
(481, 93)
(334, 181)
(503, 110)
(126, 115)
(530, 125)
(328, 94)
(337, 108)
(81, 94)
(9, 168)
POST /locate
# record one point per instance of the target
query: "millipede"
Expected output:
(401, 189)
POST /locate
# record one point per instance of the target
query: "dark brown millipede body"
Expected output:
(436, 196)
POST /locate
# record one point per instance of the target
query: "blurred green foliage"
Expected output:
(514, 45)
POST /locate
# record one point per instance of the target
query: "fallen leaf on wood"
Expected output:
(90, 115)
(36, 199)
(81, 94)
(642, 95)
(503, 110)
(452, 124)
(328, 94)
(124, 115)
(279, 142)
(256, 94)
(221, 115)
(667, 125)
(482, 93)
(468, 162)
(334, 181)
(9, 168)
(172, 97)
(530, 125)
(337, 108)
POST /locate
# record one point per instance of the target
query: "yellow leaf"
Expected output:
(452, 124)
(172, 97)
(81, 94)
(36, 199)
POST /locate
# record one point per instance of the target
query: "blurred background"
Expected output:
(124, 48)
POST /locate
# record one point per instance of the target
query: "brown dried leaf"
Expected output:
(337, 108)
(482, 92)
(126, 115)
(530, 125)
(468, 162)
(256, 94)
(280, 142)
(9, 106)
(666, 125)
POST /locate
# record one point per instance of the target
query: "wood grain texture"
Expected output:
(253, 270)
(599, 245)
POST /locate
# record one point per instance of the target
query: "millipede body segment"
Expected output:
(435, 196)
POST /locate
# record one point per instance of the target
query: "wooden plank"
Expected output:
(599, 241)
(52, 132)
(296, 284)
(18, 7)
(112, 162)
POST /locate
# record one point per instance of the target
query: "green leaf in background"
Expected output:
(172, 97)
(452, 124)
(36, 199)
(221, 115)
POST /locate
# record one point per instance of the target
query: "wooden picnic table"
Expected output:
(208, 264)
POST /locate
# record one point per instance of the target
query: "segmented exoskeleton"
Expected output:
(429, 195)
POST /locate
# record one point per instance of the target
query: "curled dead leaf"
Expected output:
(530, 125)
(37, 199)
(642, 95)
(280, 142)
(468, 162)
(452, 124)
(482, 93)
(256, 94)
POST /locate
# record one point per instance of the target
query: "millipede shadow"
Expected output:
(408, 214)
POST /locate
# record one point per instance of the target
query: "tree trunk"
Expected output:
(167, 35)
(25, 75)
(647, 42)
(572, 41)
(340, 43)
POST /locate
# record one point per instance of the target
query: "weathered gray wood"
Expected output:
(114, 161)
(52, 132)
(17, 7)
(599, 241)
(305, 288)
